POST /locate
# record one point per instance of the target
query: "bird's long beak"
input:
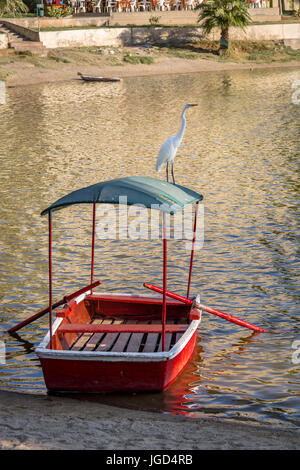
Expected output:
(193, 104)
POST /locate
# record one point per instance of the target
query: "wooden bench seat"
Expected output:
(120, 328)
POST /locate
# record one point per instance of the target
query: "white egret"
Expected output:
(169, 148)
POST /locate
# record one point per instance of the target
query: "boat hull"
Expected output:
(112, 376)
(94, 371)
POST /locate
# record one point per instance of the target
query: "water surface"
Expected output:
(240, 150)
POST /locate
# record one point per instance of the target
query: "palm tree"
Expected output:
(12, 7)
(222, 14)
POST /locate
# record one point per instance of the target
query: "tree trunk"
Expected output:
(224, 40)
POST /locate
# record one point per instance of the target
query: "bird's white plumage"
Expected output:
(167, 152)
(169, 148)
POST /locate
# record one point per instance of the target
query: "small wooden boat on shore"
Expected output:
(107, 342)
(89, 78)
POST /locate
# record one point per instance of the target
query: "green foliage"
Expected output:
(59, 12)
(297, 13)
(12, 8)
(154, 20)
(222, 14)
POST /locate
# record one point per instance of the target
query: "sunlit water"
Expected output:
(240, 150)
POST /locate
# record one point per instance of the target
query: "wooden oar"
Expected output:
(64, 300)
(187, 301)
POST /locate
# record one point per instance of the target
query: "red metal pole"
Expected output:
(93, 244)
(50, 277)
(193, 249)
(164, 308)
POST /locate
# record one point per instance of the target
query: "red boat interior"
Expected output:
(120, 323)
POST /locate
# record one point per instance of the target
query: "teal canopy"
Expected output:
(139, 190)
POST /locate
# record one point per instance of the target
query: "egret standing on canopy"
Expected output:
(169, 147)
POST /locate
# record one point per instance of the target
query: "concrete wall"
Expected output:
(117, 37)
(3, 41)
(269, 32)
(47, 22)
(130, 18)
(182, 17)
(140, 18)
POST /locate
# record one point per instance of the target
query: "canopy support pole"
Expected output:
(93, 244)
(193, 249)
(50, 275)
(164, 307)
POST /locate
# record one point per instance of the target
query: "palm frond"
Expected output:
(223, 14)
(12, 7)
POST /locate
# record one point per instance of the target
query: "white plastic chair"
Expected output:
(110, 5)
(133, 6)
(167, 5)
(74, 5)
(82, 7)
(145, 5)
(97, 6)
(177, 4)
(189, 5)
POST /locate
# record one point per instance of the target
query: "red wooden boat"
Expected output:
(105, 342)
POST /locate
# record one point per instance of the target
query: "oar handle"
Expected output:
(65, 300)
(187, 301)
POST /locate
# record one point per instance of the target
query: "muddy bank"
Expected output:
(22, 73)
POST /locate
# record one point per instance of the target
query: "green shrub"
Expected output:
(153, 20)
(59, 12)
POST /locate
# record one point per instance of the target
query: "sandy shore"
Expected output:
(49, 422)
(27, 74)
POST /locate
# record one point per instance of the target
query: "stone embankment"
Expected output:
(34, 33)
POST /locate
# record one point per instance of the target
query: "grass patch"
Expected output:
(5, 74)
(19, 15)
(261, 51)
(180, 52)
(239, 51)
(4, 60)
(25, 56)
(24, 53)
(52, 55)
(136, 59)
(68, 28)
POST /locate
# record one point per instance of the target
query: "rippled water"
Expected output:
(240, 150)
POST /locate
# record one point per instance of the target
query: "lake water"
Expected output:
(240, 150)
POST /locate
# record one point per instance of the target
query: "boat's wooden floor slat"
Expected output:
(80, 342)
(152, 339)
(110, 335)
(135, 342)
(97, 337)
(168, 339)
(108, 340)
(121, 342)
